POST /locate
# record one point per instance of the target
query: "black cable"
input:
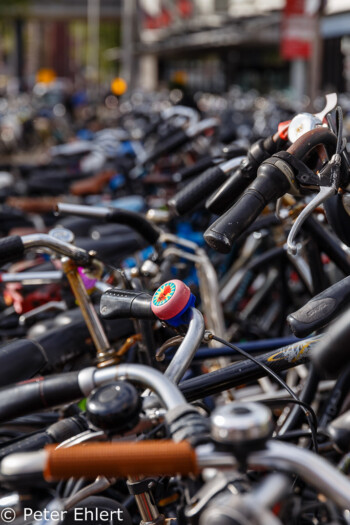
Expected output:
(151, 433)
(292, 434)
(112, 269)
(309, 413)
(295, 417)
(297, 434)
(297, 401)
(335, 399)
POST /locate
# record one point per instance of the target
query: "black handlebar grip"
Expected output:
(35, 441)
(270, 184)
(195, 169)
(321, 309)
(119, 304)
(20, 360)
(167, 146)
(56, 433)
(24, 398)
(239, 181)
(228, 193)
(332, 355)
(199, 189)
(11, 249)
(136, 221)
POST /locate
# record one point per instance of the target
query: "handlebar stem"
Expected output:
(90, 316)
(168, 393)
(186, 351)
(49, 244)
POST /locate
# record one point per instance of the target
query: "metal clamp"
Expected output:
(325, 193)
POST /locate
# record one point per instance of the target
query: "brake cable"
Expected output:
(309, 412)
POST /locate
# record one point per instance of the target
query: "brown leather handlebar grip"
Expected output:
(148, 458)
(34, 204)
(91, 185)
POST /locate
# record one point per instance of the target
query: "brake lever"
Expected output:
(304, 122)
(331, 103)
(324, 193)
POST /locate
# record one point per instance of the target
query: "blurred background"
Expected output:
(206, 44)
(67, 55)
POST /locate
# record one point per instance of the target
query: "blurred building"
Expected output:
(203, 44)
(63, 35)
(217, 43)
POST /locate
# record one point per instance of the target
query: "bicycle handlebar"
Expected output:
(11, 249)
(193, 194)
(120, 459)
(42, 393)
(270, 184)
(321, 309)
(55, 433)
(331, 355)
(114, 215)
(195, 169)
(168, 458)
(238, 182)
(275, 177)
(14, 247)
(246, 371)
(167, 146)
(128, 304)
(179, 138)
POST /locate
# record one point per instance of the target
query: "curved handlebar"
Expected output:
(270, 184)
(199, 188)
(24, 398)
(275, 177)
(115, 215)
(11, 249)
(167, 458)
(14, 247)
(321, 309)
(331, 354)
(240, 179)
(167, 146)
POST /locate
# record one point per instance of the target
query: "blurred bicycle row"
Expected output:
(174, 318)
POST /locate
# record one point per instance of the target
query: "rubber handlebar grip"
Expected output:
(118, 304)
(198, 190)
(321, 309)
(195, 169)
(228, 193)
(270, 184)
(167, 146)
(332, 356)
(221, 235)
(56, 433)
(36, 441)
(240, 179)
(25, 398)
(21, 359)
(136, 221)
(11, 249)
(148, 458)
